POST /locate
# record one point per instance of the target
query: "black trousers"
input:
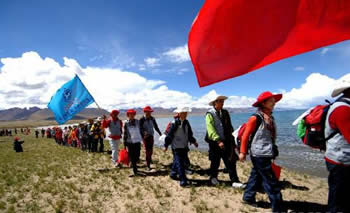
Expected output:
(134, 154)
(215, 156)
(339, 188)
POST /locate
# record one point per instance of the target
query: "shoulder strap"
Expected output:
(258, 123)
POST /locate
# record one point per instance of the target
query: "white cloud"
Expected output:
(315, 90)
(152, 62)
(324, 51)
(31, 80)
(299, 68)
(178, 54)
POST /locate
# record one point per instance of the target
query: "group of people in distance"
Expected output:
(258, 140)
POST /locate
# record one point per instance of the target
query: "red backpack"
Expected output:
(242, 128)
(315, 123)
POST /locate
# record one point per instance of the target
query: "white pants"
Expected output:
(115, 149)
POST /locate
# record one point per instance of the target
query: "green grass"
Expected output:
(51, 178)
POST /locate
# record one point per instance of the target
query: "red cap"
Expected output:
(266, 95)
(16, 138)
(147, 109)
(116, 112)
(130, 111)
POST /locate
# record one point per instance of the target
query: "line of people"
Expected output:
(258, 141)
(88, 136)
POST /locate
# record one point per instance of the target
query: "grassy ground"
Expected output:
(51, 178)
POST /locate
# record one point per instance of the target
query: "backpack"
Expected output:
(311, 127)
(240, 131)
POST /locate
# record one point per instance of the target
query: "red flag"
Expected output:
(230, 38)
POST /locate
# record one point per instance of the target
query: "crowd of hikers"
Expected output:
(256, 138)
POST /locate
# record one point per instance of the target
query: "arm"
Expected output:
(125, 136)
(170, 136)
(142, 129)
(106, 123)
(251, 124)
(190, 134)
(156, 127)
(340, 119)
(212, 134)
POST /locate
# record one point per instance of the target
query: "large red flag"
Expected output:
(230, 38)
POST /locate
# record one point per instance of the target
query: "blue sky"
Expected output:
(126, 35)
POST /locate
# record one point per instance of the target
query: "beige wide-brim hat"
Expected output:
(220, 97)
(344, 85)
(182, 109)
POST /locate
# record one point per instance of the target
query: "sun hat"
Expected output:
(220, 97)
(130, 111)
(114, 112)
(340, 88)
(147, 109)
(266, 95)
(182, 109)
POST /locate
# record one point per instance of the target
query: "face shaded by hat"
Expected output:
(265, 96)
(341, 88)
(220, 97)
(130, 112)
(147, 109)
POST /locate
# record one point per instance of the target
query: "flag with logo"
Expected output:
(69, 100)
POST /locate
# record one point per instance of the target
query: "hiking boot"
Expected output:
(214, 181)
(174, 177)
(251, 203)
(239, 185)
(184, 184)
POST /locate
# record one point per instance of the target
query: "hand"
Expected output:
(221, 145)
(242, 156)
(165, 149)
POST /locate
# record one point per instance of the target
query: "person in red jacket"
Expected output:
(115, 127)
(338, 149)
(260, 132)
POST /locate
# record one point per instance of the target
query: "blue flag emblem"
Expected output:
(69, 100)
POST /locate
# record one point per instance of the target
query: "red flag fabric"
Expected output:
(230, 38)
(123, 157)
(276, 170)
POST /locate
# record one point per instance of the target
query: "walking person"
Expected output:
(148, 124)
(178, 136)
(263, 150)
(132, 139)
(221, 142)
(115, 126)
(90, 134)
(338, 149)
(17, 144)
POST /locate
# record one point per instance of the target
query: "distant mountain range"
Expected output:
(36, 113)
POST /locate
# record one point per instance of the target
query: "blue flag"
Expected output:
(69, 100)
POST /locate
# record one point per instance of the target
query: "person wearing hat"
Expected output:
(17, 144)
(260, 133)
(179, 134)
(115, 127)
(90, 134)
(221, 142)
(337, 154)
(148, 124)
(132, 138)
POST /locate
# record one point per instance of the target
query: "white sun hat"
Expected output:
(183, 109)
(340, 88)
(220, 97)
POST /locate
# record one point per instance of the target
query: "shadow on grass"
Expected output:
(288, 185)
(303, 206)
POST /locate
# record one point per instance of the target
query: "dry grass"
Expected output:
(51, 178)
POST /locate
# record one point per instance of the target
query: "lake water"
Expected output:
(293, 153)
